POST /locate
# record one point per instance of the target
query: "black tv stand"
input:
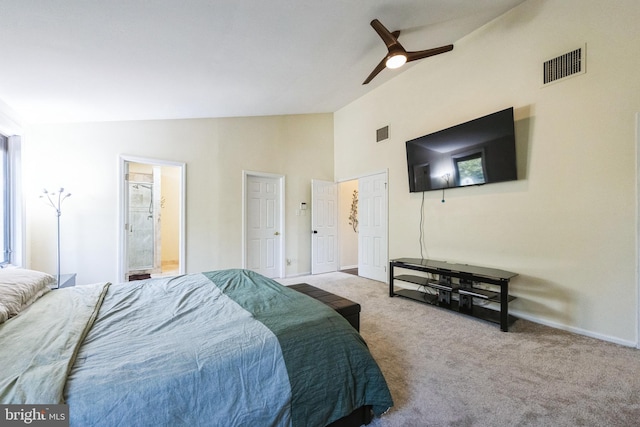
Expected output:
(456, 287)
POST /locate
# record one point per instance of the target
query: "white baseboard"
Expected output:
(555, 325)
(308, 273)
(572, 329)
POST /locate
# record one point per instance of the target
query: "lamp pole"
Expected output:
(55, 201)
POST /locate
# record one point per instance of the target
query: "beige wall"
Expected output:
(568, 225)
(84, 158)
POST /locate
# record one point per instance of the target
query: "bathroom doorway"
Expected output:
(152, 218)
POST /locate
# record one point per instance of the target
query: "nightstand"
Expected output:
(67, 280)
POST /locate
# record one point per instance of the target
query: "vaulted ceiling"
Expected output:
(96, 60)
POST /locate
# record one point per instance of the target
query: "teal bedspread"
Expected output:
(223, 348)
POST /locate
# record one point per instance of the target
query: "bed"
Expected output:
(228, 348)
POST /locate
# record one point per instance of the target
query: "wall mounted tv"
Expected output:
(481, 151)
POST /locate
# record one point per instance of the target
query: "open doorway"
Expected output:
(151, 216)
(348, 226)
(363, 226)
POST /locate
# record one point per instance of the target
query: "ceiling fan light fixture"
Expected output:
(396, 61)
(397, 56)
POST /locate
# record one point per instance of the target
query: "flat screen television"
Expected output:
(481, 151)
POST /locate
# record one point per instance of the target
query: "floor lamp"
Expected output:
(55, 201)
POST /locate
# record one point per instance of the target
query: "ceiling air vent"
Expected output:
(382, 134)
(564, 66)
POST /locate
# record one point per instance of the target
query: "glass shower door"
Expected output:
(143, 235)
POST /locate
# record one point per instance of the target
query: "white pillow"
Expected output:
(19, 288)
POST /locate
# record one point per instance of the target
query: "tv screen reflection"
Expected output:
(478, 152)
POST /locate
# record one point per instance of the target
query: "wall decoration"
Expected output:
(353, 216)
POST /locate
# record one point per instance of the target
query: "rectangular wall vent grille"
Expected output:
(382, 134)
(564, 66)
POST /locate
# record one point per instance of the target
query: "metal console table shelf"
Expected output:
(456, 286)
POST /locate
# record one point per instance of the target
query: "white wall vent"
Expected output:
(564, 66)
(382, 134)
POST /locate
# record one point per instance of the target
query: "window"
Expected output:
(5, 207)
(12, 223)
(470, 169)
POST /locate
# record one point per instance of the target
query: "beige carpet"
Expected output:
(446, 369)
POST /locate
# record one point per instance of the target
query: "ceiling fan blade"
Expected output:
(412, 56)
(396, 50)
(387, 37)
(381, 66)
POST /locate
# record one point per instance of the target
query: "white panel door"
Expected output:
(263, 234)
(372, 227)
(324, 226)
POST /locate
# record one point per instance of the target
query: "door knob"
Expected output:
(277, 233)
(315, 231)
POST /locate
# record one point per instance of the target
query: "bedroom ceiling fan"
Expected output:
(397, 55)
